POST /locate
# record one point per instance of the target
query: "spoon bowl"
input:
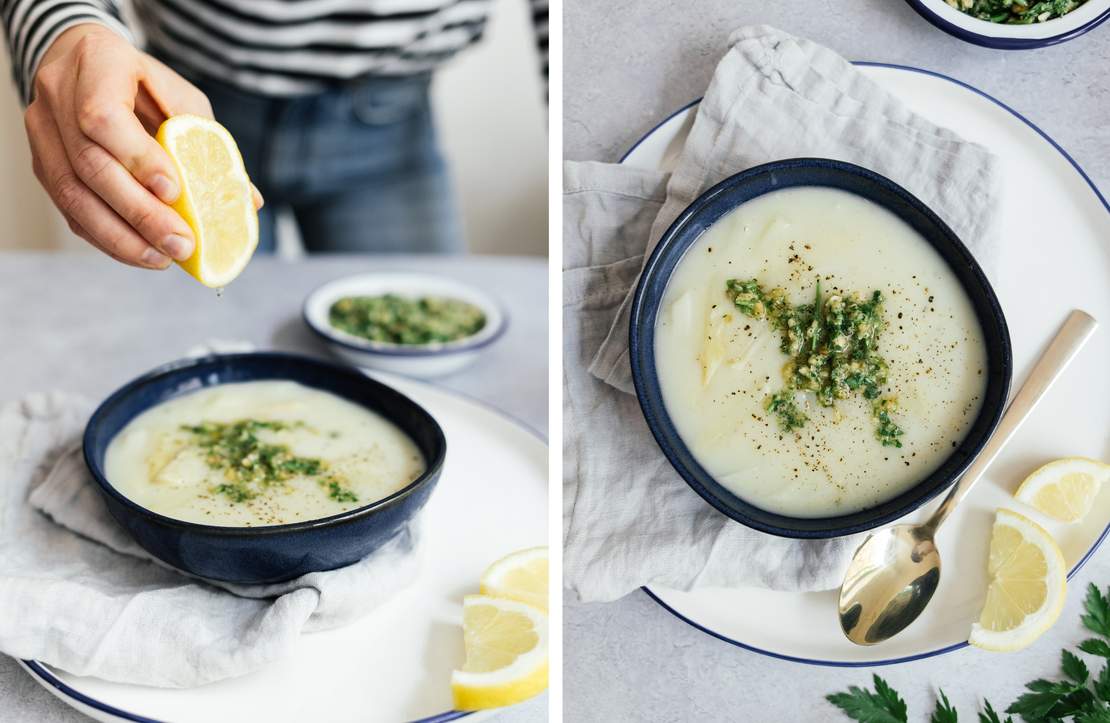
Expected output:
(889, 582)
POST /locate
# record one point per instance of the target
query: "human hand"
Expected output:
(98, 102)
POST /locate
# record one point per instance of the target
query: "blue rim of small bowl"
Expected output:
(649, 394)
(997, 42)
(434, 465)
(377, 348)
(1105, 532)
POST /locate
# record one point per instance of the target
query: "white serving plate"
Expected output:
(423, 362)
(395, 664)
(1056, 237)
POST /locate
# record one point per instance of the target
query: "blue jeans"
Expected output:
(358, 165)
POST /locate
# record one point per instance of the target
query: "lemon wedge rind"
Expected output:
(506, 653)
(1027, 588)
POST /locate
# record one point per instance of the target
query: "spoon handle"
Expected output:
(1075, 332)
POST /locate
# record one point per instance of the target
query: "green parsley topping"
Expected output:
(251, 466)
(832, 344)
(399, 320)
(886, 431)
(1016, 12)
(783, 404)
(340, 494)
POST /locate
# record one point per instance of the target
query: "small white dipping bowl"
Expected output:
(423, 361)
(1002, 36)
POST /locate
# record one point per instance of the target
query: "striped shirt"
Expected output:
(269, 47)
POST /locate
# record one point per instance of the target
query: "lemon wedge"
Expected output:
(521, 576)
(506, 653)
(1065, 489)
(216, 198)
(1028, 584)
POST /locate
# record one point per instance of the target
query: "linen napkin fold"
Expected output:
(78, 593)
(629, 519)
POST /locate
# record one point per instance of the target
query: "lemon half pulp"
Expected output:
(506, 653)
(1028, 584)
(216, 198)
(1065, 489)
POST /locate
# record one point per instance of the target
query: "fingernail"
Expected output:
(259, 202)
(178, 247)
(154, 258)
(164, 188)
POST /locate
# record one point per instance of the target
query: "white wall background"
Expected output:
(493, 128)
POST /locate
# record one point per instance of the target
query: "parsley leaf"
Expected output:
(1098, 716)
(1073, 667)
(990, 716)
(1039, 702)
(944, 712)
(1102, 685)
(1079, 702)
(1097, 619)
(1094, 646)
(860, 704)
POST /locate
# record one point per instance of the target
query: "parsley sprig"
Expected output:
(1079, 697)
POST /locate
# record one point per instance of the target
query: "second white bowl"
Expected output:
(1003, 36)
(422, 361)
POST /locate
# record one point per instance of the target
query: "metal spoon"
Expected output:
(895, 572)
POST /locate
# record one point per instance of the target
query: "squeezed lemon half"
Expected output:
(506, 653)
(1028, 584)
(216, 198)
(1064, 490)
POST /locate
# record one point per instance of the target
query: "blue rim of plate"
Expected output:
(1082, 561)
(397, 350)
(1005, 43)
(851, 663)
(65, 690)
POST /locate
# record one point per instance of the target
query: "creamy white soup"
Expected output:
(259, 453)
(815, 402)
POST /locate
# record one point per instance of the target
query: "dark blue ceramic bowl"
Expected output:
(725, 197)
(279, 552)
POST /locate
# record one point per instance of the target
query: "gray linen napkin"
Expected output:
(629, 520)
(78, 593)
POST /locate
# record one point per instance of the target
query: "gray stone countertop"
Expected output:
(87, 324)
(630, 63)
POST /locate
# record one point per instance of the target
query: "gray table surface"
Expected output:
(108, 323)
(628, 64)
